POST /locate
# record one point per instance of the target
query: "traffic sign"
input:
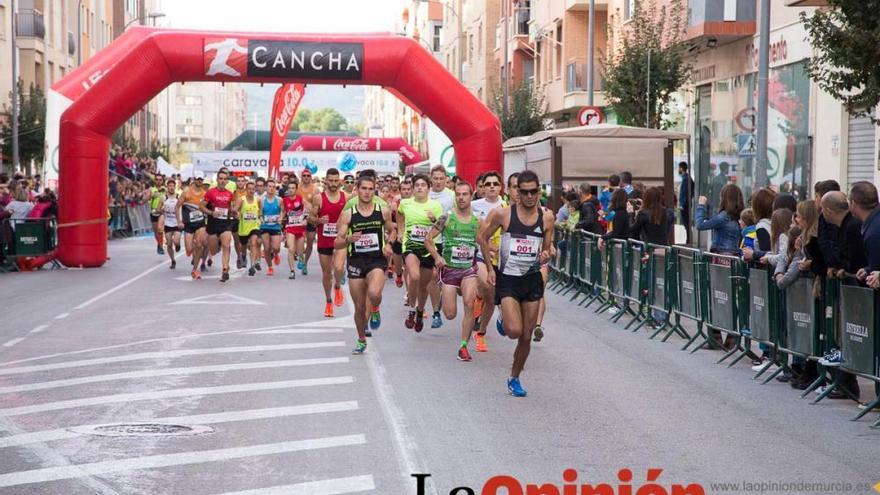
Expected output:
(590, 116)
(746, 146)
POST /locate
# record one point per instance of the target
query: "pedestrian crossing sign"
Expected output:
(746, 145)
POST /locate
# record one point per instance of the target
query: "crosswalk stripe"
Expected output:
(167, 355)
(167, 394)
(203, 419)
(157, 461)
(297, 331)
(337, 486)
(193, 370)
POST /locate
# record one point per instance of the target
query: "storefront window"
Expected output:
(724, 136)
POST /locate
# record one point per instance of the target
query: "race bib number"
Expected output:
(296, 218)
(525, 249)
(367, 243)
(463, 254)
(170, 210)
(270, 219)
(418, 233)
(196, 216)
(330, 230)
(250, 216)
(221, 213)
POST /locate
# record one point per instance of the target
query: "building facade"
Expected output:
(201, 116)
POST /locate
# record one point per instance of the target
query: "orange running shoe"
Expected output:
(277, 259)
(196, 275)
(328, 310)
(478, 306)
(338, 296)
(398, 281)
(481, 342)
(271, 271)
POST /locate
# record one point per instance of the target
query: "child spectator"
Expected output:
(749, 230)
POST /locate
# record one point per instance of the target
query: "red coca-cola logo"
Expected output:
(351, 145)
(407, 153)
(292, 98)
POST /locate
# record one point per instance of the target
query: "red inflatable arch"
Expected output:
(409, 155)
(137, 66)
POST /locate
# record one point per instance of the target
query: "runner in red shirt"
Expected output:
(324, 213)
(296, 219)
(219, 205)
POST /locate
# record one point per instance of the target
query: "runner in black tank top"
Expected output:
(526, 238)
(366, 233)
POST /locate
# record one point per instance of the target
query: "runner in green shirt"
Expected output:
(415, 216)
(157, 195)
(458, 272)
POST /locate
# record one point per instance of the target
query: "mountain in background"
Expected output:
(348, 101)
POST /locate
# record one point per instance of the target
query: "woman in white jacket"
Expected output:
(780, 223)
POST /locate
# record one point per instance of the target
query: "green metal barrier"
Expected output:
(764, 319)
(573, 264)
(690, 303)
(727, 293)
(34, 236)
(616, 286)
(604, 283)
(590, 272)
(661, 292)
(557, 263)
(635, 287)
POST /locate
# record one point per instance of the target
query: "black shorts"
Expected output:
(217, 227)
(359, 267)
(193, 227)
(245, 238)
(172, 229)
(528, 288)
(234, 225)
(154, 218)
(326, 251)
(426, 261)
(311, 228)
(397, 247)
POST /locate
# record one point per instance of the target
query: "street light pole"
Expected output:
(761, 165)
(505, 42)
(14, 159)
(590, 43)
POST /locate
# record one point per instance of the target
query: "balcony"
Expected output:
(30, 24)
(806, 3)
(718, 22)
(576, 77)
(584, 5)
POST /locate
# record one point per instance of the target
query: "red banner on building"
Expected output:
(284, 108)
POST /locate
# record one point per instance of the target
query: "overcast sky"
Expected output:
(292, 16)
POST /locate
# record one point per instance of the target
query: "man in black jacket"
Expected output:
(589, 210)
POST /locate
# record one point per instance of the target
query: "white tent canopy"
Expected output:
(165, 168)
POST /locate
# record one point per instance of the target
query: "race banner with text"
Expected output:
(287, 100)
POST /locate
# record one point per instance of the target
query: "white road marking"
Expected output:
(337, 486)
(39, 328)
(341, 322)
(173, 393)
(139, 342)
(62, 316)
(150, 373)
(223, 299)
(203, 419)
(167, 355)
(297, 331)
(13, 342)
(157, 461)
(120, 286)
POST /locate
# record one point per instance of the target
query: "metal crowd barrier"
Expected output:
(720, 293)
(139, 218)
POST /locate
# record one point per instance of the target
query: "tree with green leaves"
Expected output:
(526, 112)
(652, 48)
(31, 126)
(846, 37)
(320, 120)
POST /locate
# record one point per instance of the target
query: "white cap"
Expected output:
(199, 174)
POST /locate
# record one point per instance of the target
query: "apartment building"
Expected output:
(201, 116)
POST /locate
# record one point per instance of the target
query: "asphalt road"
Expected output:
(271, 400)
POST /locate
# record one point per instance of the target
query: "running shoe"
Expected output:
(277, 259)
(299, 264)
(225, 275)
(203, 267)
(292, 275)
(252, 271)
(159, 250)
(257, 266)
(196, 275)
(271, 271)
(359, 347)
(398, 281)
(305, 270)
(538, 333)
(338, 296)
(367, 332)
(515, 388)
(500, 327)
(420, 321)
(832, 358)
(328, 310)
(481, 342)
(436, 320)
(410, 320)
(375, 319)
(210, 261)
(463, 354)
(173, 265)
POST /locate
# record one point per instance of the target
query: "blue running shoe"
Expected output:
(436, 320)
(500, 327)
(300, 264)
(375, 320)
(305, 269)
(515, 388)
(359, 347)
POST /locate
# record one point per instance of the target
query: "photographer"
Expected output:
(588, 210)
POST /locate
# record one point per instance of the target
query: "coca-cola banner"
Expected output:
(338, 143)
(284, 108)
(296, 161)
